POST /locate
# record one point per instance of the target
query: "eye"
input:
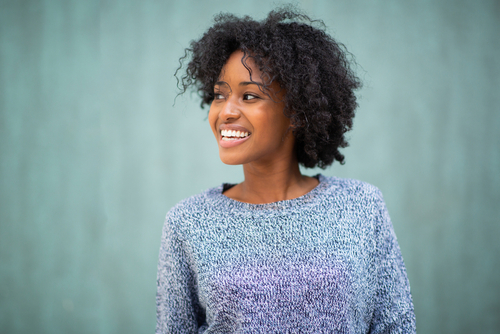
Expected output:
(218, 96)
(247, 97)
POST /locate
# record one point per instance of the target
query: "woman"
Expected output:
(279, 252)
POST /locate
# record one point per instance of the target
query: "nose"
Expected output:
(230, 110)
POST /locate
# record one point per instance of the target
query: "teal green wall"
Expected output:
(93, 152)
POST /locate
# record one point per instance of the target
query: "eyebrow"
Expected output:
(246, 83)
(243, 83)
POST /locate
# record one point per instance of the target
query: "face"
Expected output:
(249, 125)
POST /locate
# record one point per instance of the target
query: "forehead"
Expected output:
(240, 66)
(241, 69)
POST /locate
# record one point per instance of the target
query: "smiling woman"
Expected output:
(242, 105)
(255, 109)
(280, 251)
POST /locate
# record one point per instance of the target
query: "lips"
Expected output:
(232, 135)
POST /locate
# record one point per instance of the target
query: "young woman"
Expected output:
(279, 252)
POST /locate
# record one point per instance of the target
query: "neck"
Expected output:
(272, 183)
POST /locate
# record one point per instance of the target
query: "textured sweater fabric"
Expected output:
(326, 262)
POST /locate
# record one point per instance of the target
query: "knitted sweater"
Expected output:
(326, 262)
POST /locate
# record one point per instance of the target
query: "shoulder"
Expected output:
(195, 210)
(350, 188)
(352, 197)
(208, 199)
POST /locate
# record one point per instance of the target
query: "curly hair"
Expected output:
(311, 66)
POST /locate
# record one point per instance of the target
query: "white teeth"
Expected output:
(233, 134)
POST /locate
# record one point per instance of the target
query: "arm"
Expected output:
(177, 307)
(393, 303)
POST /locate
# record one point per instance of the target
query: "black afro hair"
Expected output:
(294, 50)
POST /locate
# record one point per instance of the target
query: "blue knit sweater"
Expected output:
(326, 262)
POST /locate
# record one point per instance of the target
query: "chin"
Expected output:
(232, 159)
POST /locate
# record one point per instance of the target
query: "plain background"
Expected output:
(94, 152)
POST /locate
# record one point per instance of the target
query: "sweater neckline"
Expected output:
(279, 204)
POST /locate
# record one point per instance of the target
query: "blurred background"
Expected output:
(94, 152)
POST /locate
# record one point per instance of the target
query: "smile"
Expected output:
(231, 138)
(233, 135)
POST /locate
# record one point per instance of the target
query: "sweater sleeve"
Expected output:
(177, 307)
(393, 303)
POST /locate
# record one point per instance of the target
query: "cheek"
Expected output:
(280, 121)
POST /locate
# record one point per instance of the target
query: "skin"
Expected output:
(269, 163)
